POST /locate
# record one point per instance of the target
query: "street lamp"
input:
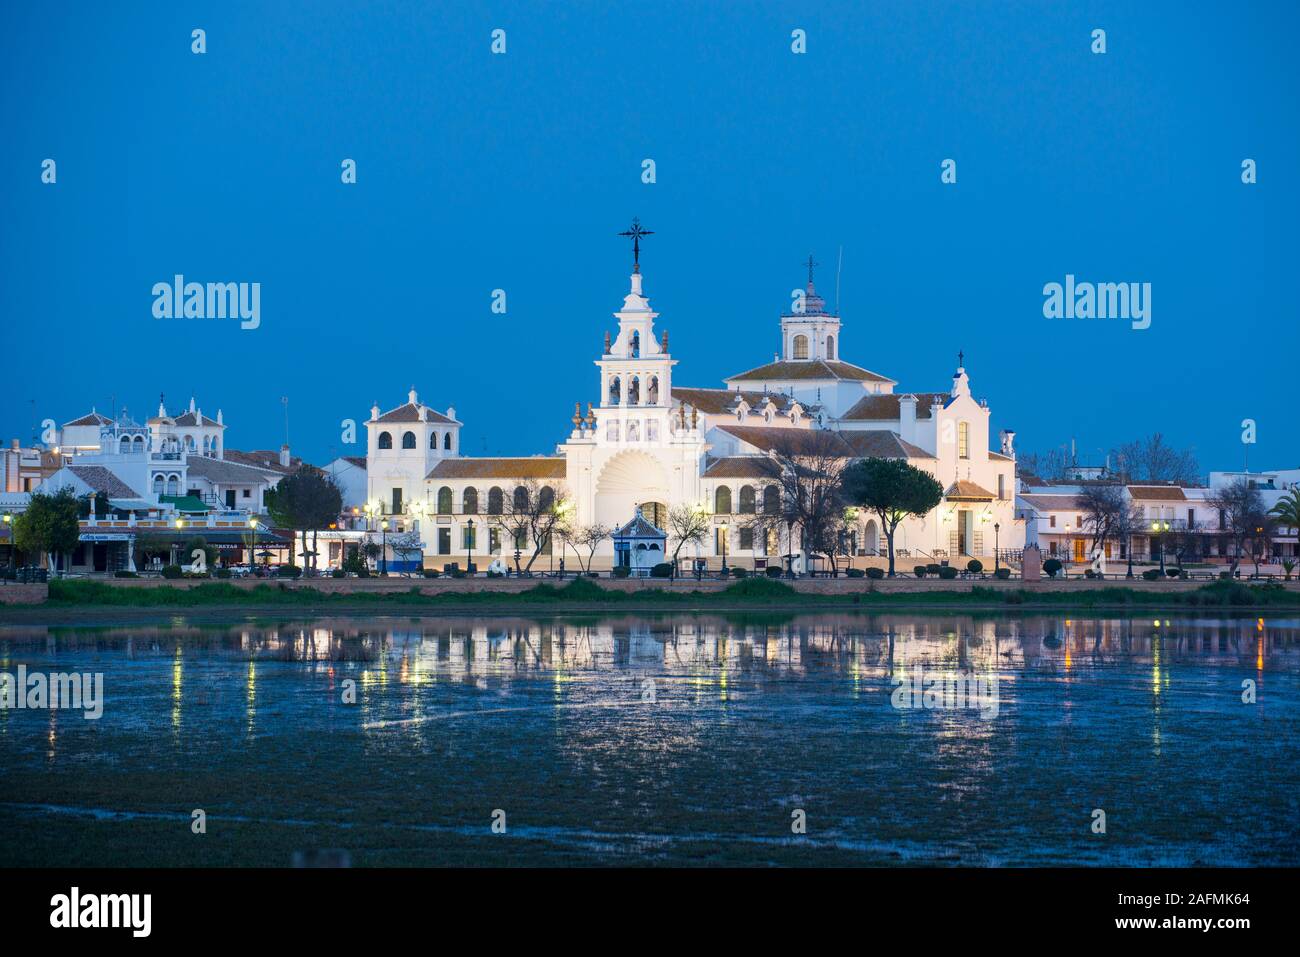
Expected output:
(789, 547)
(1160, 528)
(723, 529)
(383, 549)
(252, 549)
(13, 551)
(469, 541)
(996, 567)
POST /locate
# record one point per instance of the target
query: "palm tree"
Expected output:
(1287, 512)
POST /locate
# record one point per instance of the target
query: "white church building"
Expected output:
(646, 443)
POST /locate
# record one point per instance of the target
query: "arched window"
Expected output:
(521, 499)
(801, 347)
(446, 441)
(615, 390)
(470, 501)
(173, 484)
(747, 500)
(138, 443)
(546, 498)
(125, 444)
(634, 391)
(722, 500)
(963, 440)
(433, 439)
(189, 443)
(408, 440)
(830, 348)
(444, 501)
(385, 440)
(771, 500)
(496, 500)
(636, 345)
(158, 485)
(652, 393)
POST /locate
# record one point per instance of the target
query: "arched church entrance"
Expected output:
(627, 480)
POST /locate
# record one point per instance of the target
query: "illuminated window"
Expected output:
(963, 440)
(801, 347)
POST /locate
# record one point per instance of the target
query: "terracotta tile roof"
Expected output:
(192, 418)
(722, 401)
(534, 467)
(788, 441)
(358, 460)
(1052, 503)
(1157, 493)
(882, 444)
(964, 489)
(743, 466)
(263, 459)
(102, 480)
(884, 408)
(411, 413)
(90, 418)
(808, 369)
(223, 472)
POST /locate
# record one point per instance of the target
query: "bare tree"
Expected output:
(583, 537)
(1152, 459)
(686, 525)
(1127, 524)
(1051, 465)
(809, 468)
(1103, 508)
(532, 518)
(1241, 509)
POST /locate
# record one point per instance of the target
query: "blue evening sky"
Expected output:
(479, 172)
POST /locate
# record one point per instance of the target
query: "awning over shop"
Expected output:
(184, 503)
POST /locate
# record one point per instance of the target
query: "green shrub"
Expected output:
(621, 571)
(125, 574)
(933, 568)
(1051, 567)
(492, 574)
(223, 572)
(1002, 573)
(947, 572)
(855, 573)
(662, 570)
(172, 571)
(761, 588)
(738, 572)
(875, 573)
(1151, 574)
(774, 571)
(288, 571)
(431, 573)
(1174, 572)
(975, 566)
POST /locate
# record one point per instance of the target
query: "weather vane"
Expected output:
(636, 232)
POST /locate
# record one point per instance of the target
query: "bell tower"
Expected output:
(808, 331)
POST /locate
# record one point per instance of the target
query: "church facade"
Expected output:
(646, 443)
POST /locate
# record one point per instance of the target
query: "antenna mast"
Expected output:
(838, 269)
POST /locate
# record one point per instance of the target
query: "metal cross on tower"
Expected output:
(811, 265)
(636, 232)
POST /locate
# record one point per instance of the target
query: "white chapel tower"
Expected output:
(808, 331)
(632, 449)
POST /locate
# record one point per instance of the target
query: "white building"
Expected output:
(647, 443)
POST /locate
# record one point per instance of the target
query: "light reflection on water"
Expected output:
(751, 716)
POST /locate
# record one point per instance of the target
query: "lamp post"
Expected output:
(13, 551)
(469, 562)
(789, 547)
(1160, 528)
(723, 529)
(383, 548)
(252, 549)
(996, 528)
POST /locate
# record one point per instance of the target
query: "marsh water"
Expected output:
(681, 739)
